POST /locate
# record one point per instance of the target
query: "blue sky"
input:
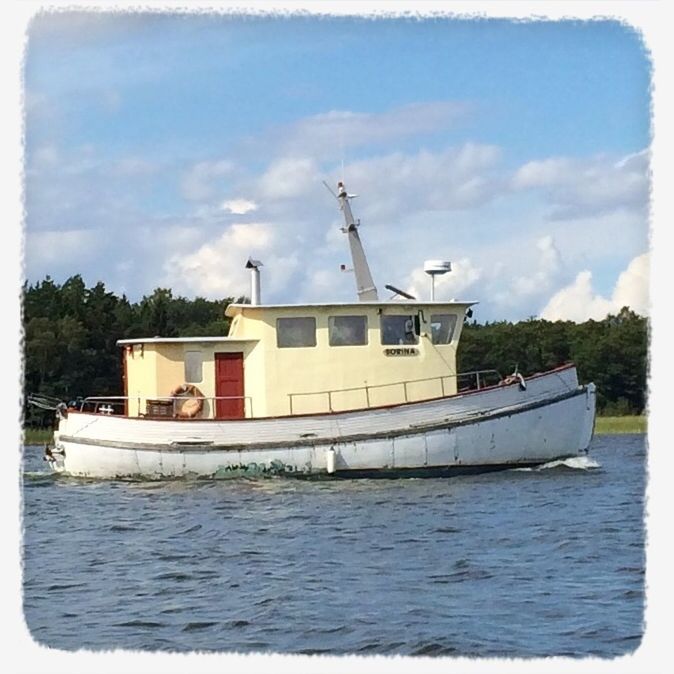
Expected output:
(163, 150)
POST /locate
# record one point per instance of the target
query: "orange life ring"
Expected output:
(188, 401)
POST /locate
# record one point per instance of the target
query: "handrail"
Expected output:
(108, 404)
(368, 387)
(104, 404)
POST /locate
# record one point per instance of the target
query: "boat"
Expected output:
(368, 388)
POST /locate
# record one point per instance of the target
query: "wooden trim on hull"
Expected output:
(196, 446)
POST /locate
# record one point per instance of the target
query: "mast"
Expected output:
(367, 292)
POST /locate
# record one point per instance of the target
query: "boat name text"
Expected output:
(407, 351)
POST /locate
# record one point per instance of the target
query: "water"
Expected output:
(523, 563)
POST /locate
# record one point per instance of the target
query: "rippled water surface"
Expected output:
(518, 563)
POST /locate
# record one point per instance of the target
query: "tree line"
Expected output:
(612, 353)
(70, 334)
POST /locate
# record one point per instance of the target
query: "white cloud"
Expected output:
(517, 276)
(601, 237)
(632, 288)
(327, 134)
(175, 236)
(393, 186)
(238, 206)
(202, 181)
(542, 173)
(216, 269)
(287, 178)
(461, 280)
(55, 249)
(453, 178)
(588, 186)
(533, 280)
(322, 282)
(578, 301)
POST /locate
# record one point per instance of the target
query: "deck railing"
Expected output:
(477, 379)
(116, 405)
(166, 406)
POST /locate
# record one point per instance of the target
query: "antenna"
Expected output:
(341, 150)
(436, 268)
(330, 190)
(367, 292)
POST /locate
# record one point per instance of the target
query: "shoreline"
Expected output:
(621, 425)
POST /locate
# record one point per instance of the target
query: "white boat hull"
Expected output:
(482, 430)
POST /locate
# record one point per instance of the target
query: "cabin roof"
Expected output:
(236, 308)
(184, 340)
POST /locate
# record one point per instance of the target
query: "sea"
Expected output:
(521, 563)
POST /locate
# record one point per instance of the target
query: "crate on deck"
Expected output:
(159, 408)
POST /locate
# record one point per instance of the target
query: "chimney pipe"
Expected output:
(254, 266)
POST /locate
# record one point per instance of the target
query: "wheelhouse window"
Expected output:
(347, 330)
(194, 367)
(442, 328)
(294, 332)
(398, 330)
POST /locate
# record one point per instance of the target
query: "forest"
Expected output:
(70, 334)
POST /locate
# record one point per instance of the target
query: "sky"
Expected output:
(162, 150)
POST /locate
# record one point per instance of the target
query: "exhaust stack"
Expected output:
(254, 266)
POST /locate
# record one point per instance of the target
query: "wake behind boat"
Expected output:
(362, 389)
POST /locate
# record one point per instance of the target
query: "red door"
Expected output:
(229, 402)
